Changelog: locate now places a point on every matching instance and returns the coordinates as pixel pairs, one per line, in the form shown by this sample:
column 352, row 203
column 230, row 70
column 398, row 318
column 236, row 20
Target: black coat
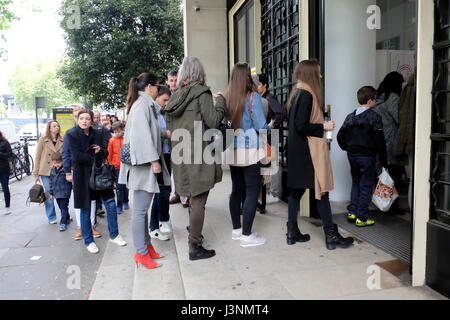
column 82, row 162
column 300, row 166
column 5, row 156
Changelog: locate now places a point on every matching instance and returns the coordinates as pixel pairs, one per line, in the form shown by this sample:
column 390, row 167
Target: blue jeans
column 63, row 205
column 121, row 192
column 49, row 203
column 363, row 179
column 160, row 207
column 4, row 180
column 111, row 214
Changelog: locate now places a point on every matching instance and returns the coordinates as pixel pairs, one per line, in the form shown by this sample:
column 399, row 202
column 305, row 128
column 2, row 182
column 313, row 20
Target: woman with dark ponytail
column 5, row 156
column 142, row 134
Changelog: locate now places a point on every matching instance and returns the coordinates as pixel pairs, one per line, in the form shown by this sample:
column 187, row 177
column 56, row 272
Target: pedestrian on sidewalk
column 147, row 163
column 67, row 164
column 362, row 137
column 159, row 217
column 60, row 189
column 308, row 159
column 114, row 146
column 48, row 145
column 85, row 146
column 5, row 157
column 247, row 115
column 193, row 103
column 172, row 79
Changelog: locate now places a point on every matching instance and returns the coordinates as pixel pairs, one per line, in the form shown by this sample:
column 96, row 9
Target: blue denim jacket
column 59, row 186
column 248, row 138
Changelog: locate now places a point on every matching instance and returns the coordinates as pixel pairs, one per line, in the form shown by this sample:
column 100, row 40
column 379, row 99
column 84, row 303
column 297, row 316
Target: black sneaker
column 197, row 252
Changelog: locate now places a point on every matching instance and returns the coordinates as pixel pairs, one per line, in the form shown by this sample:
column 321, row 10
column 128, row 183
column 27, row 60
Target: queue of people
column 154, row 112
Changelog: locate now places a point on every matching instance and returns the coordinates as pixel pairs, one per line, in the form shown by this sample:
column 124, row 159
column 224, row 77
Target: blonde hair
column 307, row 71
column 191, row 73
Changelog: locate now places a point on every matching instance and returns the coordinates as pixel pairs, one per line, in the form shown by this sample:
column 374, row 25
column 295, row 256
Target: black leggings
column 246, row 182
column 323, row 206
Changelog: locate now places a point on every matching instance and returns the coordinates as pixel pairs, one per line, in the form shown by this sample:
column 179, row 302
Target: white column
column 350, row 59
column 423, row 142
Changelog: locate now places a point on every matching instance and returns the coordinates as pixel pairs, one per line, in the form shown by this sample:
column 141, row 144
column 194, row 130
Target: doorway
column 363, row 44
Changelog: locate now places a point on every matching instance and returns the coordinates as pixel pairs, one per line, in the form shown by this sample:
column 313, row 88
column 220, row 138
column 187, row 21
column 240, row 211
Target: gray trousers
column 139, row 222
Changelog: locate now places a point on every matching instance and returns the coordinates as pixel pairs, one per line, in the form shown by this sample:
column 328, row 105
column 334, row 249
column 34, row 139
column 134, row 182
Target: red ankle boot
column 146, row 261
column 153, row 253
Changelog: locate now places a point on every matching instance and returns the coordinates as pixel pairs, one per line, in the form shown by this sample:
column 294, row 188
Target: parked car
column 8, row 129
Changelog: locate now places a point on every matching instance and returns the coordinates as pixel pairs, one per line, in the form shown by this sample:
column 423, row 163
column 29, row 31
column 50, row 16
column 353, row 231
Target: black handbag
column 103, row 177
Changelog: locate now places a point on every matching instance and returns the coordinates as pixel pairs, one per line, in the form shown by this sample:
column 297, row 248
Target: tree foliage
column 38, row 78
column 6, row 17
column 117, row 40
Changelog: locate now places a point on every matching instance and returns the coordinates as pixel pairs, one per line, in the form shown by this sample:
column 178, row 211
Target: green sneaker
column 351, row 217
column 368, row 223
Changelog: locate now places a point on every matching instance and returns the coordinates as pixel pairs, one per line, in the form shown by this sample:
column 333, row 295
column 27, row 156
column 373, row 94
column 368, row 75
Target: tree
column 39, row 78
column 6, row 17
column 117, row 40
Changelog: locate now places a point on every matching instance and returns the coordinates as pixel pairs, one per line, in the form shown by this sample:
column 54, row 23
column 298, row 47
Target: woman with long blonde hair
column 308, row 158
column 48, row 145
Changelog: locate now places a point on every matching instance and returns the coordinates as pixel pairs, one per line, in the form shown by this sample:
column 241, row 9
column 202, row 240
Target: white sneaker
column 236, row 234
column 53, row 222
column 164, row 227
column 157, row 234
column 92, row 248
column 271, row 199
column 252, row 240
column 119, row 241
column 7, row 211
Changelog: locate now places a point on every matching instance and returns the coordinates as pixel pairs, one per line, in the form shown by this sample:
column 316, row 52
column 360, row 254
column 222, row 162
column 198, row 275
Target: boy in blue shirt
column 362, row 137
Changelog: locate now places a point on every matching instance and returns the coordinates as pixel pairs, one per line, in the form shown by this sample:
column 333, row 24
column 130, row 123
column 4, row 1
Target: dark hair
column 117, row 126
column 162, row 90
column 392, row 83
column 241, row 83
column 88, row 112
column 57, row 156
column 172, row 73
column 264, row 80
column 365, row 94
column 2, row 137
column 138, row 84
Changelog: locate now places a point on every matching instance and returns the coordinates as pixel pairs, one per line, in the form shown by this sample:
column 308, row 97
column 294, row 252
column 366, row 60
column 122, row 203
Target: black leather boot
column 197, row 252
column 294, row 235
column 333, row 238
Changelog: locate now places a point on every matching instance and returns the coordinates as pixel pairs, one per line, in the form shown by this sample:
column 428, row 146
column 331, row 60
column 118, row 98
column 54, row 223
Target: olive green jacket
column 192, row 176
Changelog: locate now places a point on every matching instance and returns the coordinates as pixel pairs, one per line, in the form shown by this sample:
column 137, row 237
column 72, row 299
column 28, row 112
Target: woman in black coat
column 85, row 148
column 5, row 157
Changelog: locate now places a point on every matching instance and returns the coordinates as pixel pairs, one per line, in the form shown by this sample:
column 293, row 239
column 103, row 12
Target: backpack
column 36, row 194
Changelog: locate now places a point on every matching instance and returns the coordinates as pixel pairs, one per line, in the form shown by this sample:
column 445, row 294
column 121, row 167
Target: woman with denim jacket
column 244, row 155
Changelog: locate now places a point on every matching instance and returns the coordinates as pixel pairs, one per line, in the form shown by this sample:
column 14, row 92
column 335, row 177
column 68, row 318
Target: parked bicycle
column 21, row 161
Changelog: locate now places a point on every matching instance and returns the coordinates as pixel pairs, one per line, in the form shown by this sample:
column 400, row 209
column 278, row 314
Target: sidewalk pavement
column 272, row 271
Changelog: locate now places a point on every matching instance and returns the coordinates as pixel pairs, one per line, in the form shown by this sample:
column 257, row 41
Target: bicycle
column 24, row 157
column 16, row 167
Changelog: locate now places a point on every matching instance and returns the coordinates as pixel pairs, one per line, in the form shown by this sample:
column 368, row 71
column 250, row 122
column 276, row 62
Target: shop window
column 440, row 174
column 244, row 34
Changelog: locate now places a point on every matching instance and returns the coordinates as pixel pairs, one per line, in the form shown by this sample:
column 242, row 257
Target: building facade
column 357, row 43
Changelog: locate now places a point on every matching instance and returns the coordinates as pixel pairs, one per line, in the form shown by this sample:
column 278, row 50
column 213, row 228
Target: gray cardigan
column 142, row 132
column 388, row 110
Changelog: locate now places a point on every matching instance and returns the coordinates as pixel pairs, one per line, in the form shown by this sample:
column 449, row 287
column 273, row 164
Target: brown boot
column 96, row 233
column 79, row 235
